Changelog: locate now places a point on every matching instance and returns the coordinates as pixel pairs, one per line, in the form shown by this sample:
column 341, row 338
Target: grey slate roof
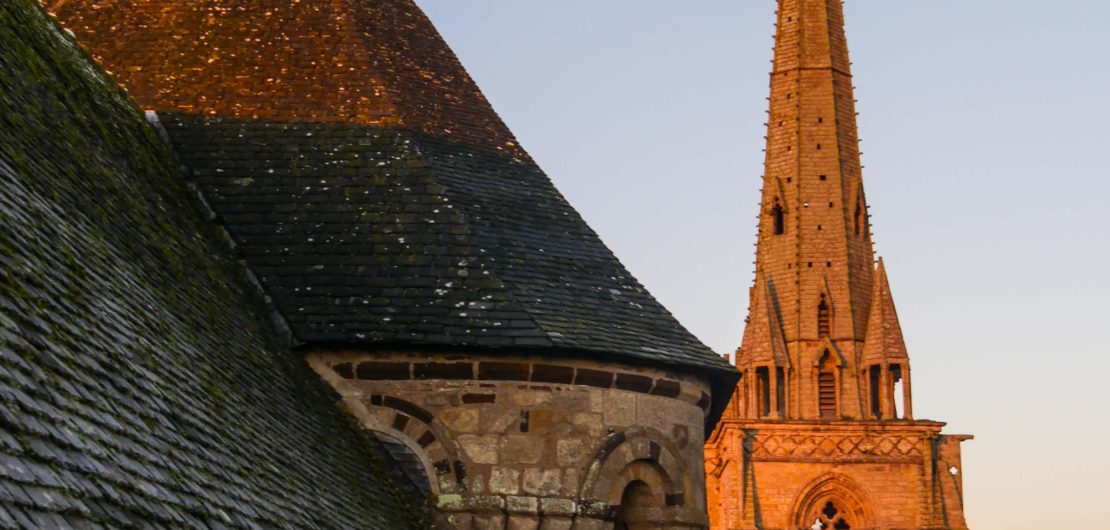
column 365, row 234
column 141, row 385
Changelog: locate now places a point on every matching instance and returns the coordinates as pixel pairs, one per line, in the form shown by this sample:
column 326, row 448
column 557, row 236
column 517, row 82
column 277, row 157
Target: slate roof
column 372, row 188
column 368, row 234
column 141, row 383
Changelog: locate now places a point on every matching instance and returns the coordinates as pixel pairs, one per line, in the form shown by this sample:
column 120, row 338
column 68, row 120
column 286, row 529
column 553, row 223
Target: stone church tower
column 423, row 264
column 820, row 432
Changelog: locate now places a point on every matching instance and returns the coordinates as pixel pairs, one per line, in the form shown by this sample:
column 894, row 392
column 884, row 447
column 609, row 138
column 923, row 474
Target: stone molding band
column 513, row 371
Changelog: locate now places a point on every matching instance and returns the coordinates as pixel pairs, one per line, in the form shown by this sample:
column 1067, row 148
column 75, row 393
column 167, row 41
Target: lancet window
column 778, row 218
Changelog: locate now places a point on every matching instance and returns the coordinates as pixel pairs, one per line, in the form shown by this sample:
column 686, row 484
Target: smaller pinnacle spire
column 884, row 334
column 763, row 340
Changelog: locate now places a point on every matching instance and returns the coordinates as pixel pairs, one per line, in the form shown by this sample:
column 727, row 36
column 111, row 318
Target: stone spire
column 814, row 257
column 884, row 334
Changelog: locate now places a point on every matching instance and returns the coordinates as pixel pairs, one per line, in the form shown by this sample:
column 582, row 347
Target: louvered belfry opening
column 875, row 373
column 826, row 388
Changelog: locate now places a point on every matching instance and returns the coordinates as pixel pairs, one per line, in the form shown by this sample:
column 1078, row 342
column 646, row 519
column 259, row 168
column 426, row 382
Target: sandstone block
column 489, row 522
column 522, row 449
column 549, row 506
column 523, row 522
column 556, row 523
column 480, row 449
column 504, row 481
column 522, row 505
column 460, row 420
column 570, row 451
column 542, row 482
column 620, row 409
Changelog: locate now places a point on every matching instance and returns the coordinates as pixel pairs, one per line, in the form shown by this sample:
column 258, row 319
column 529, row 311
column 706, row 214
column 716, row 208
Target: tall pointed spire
column 825, row 397
column 814, row 238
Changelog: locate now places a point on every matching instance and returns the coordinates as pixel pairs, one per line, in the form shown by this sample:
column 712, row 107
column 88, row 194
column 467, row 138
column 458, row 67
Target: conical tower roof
column 369, row 63
column 369, row 184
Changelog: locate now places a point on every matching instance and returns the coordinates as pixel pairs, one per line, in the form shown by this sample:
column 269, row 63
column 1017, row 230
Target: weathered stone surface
column 504, row 481
column 522, row 449
column 583, row 523
column 620, row 409
column 572, row 482
column 489, row 522
column 483, row 449
column 451, row 502
column 571, row 451
column 540, row 455
column 556, row 523
column 554, row 506
column 524, row 522
column 522, row 505
column 590, row 423
column 460, row 420
column 542, row 482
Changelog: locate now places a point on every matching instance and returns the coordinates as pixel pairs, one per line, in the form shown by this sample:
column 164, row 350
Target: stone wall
column 878, row 475
column 536, row 442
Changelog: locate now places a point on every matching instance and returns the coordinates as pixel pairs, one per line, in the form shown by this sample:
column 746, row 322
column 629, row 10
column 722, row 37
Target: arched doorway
column 636, row 495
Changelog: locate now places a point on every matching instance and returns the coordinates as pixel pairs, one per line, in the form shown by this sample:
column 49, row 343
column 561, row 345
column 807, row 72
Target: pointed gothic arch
column 824, row 317
column 778, row 218
column 833, row 499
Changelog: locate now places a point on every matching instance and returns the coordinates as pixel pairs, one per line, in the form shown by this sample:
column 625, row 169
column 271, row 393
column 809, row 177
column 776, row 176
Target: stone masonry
column 426, row 268
column 536, row 442
column 820, row 431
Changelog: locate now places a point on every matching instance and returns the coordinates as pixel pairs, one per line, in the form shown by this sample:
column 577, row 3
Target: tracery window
column 830, row 518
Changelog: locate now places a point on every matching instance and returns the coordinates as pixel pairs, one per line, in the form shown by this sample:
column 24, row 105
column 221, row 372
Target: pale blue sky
column 986, row 140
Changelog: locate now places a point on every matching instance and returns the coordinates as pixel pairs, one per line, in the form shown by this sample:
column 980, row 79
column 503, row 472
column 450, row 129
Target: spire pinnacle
column 884, row 334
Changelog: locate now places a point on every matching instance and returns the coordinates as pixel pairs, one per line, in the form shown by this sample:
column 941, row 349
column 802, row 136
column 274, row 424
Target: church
column 820, row 432
column 280, row 264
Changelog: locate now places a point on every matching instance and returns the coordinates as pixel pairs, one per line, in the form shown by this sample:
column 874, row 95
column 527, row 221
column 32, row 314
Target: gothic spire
column 813, row 227
column 815, row 264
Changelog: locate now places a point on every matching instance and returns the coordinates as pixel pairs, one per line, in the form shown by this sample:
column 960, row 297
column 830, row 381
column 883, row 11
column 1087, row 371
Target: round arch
column 635, row 455
column 421, row 434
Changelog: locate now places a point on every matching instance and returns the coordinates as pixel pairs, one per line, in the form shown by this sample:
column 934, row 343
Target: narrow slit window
column 875, row 374
column 763, row 387
column 780, row 389
column 779, row 219
column 896, row 388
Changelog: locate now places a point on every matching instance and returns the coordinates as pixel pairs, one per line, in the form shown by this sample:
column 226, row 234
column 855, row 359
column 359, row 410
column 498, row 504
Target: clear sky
column 986, row 145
